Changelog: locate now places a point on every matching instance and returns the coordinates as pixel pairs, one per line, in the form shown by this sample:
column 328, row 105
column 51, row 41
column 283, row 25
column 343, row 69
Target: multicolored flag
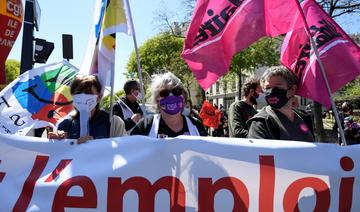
column 11, row 17
column 338, row 53
column 221, row 28
column 110, row 17
column 39, row 97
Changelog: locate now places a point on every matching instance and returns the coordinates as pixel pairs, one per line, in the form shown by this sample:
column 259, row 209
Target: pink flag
column 339, row 54
column 221, row 28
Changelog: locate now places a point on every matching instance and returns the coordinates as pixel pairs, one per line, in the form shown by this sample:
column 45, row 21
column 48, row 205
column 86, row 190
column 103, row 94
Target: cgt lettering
column 207, row 189
column 14, row 8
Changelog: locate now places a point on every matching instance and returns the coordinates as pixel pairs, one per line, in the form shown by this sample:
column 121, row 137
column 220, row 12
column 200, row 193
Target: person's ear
column 292, row 90
column 251, row 92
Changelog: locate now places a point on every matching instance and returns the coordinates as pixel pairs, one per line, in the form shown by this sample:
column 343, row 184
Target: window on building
column 217, row 88
column 228, row 101
column 233, row 85
column 225, row 87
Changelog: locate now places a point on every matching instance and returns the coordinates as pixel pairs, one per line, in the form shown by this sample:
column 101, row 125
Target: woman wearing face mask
column 168, row 97
column 279, row 120
column 88, row 122
column 190, row 111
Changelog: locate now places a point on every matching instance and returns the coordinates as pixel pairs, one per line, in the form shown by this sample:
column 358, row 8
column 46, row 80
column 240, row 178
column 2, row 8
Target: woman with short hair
column 168, row 100
column 279, row 120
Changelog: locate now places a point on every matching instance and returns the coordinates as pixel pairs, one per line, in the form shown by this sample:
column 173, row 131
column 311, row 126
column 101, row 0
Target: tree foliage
column 105, row 103
column 352, row 89
column 159, row 54
column 265, row 52
column 12, row 68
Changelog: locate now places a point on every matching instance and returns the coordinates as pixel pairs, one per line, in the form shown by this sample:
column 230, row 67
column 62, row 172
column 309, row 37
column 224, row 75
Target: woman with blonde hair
column 168, row 98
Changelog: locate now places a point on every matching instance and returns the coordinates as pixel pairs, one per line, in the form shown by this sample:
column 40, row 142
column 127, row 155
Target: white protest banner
column 138, row 173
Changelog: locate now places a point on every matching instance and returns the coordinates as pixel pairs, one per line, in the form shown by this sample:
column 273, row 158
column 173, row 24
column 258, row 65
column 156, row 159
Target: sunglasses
column 174, row 91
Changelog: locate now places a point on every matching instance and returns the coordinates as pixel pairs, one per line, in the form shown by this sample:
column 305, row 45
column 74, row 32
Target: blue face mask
column 172, row 104
column 186, row 111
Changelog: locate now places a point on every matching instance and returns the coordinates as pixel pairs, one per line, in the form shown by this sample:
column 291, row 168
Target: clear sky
column 76, row 16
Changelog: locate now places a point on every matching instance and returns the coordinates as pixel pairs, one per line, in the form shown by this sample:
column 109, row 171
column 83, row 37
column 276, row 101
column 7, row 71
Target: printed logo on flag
column 324, row 32
column 11, row 15
column 38, row 98
column 216, row 22
column 14, row 7
column 47, row 96
column 333, row 46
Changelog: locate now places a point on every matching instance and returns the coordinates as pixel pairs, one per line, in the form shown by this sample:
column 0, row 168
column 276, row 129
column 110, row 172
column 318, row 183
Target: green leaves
column 160, row 54
column 265, row 52
column 12, row 68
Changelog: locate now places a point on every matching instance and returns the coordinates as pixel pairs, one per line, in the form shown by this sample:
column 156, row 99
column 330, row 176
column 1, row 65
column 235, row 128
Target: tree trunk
column 188, row 90
column 203, row 95
column 239, row 84
column 319, row 127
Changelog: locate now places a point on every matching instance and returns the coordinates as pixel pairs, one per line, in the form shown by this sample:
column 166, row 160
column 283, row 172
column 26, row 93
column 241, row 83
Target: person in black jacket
column 279, row 120
column 127, row 107
column 243, row 110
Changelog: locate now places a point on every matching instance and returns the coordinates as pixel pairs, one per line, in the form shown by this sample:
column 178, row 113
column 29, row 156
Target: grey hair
column 166, row 81
column 281, row 71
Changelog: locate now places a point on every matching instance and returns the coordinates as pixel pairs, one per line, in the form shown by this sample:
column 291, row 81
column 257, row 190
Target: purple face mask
column 172, row 104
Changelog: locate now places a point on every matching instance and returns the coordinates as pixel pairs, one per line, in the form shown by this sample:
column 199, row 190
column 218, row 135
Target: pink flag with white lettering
column 339, row 54
column 221, row 28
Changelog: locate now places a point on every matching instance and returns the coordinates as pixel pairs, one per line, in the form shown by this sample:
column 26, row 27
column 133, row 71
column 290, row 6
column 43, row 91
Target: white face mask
column 84, row 103
column 139, row 97
column 261, row 96
column 186, row 111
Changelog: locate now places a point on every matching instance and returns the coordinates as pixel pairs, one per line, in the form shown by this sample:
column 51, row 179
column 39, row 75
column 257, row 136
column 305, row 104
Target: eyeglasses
column 175, row 91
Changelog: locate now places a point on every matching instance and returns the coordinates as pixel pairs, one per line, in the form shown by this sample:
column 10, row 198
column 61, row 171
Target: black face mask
column 276, row 97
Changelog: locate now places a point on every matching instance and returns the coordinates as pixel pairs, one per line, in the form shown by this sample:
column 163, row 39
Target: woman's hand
column 84, row 139
column 57, row 135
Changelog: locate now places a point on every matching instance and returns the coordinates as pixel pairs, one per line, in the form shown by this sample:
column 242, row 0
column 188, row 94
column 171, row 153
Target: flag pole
column 322, row 68
column 137, row 58
column 112, row 82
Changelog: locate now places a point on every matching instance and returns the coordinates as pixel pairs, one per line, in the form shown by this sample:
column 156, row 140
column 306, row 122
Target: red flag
column 209, row 115
column 339, row 54
column 11, row 17
column 220, row 28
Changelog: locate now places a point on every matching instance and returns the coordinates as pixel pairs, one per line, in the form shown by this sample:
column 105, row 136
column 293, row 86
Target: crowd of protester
column 175, row 115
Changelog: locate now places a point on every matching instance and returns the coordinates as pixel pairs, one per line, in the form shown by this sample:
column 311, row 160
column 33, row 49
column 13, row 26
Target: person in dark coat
column 243, row 110
column 279, row 120
column 127, row 107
